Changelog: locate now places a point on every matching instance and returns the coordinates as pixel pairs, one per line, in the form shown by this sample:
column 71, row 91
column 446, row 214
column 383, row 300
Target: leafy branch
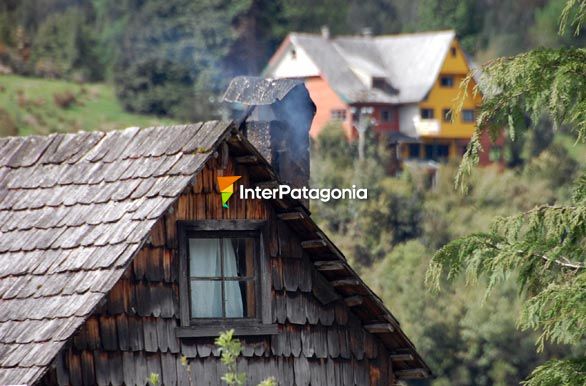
column 231, row 349
column 529, row 85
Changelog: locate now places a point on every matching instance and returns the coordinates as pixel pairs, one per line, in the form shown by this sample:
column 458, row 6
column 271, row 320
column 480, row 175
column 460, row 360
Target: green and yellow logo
column 226, row 185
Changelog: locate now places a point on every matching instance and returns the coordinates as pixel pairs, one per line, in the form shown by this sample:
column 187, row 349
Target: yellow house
column 437, row 124
column 407, row 83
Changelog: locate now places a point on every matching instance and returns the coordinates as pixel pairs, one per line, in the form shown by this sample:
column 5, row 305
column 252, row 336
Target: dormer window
column 447, row 81
column 382, row 84
column 224, row 282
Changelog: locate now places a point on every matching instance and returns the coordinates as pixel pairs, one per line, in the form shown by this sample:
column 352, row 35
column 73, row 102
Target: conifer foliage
column 543, row 249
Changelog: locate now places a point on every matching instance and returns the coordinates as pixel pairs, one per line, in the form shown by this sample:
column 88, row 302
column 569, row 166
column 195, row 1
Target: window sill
column 214, row 331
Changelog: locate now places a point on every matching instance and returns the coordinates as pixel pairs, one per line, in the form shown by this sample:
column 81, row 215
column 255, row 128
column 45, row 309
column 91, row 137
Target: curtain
column 206, row 295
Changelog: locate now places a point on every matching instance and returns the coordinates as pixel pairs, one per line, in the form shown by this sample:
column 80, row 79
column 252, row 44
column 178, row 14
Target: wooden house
column 117, row 260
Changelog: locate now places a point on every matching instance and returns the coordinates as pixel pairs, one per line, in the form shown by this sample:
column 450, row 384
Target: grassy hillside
column 41, row 106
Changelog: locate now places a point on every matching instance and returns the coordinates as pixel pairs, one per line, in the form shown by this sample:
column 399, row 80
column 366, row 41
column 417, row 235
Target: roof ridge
column 373, row 37
column 80, row 132
column 418, row 33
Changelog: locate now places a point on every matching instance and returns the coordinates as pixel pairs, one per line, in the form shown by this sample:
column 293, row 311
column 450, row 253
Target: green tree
column 176, row 49
column 543, row 249
column 64, row 45
column 463, row 16
column 365, row 229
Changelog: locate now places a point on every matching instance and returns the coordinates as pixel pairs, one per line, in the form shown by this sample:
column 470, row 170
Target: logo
column 226, row 185
column 324, row 195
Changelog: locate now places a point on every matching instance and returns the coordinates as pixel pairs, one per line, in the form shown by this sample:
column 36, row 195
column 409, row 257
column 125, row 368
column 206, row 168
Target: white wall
column 407, row 115
column 299, row 65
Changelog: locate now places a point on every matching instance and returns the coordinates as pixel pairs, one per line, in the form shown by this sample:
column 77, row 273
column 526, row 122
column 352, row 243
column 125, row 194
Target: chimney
column 325, row 32
column 277, row 123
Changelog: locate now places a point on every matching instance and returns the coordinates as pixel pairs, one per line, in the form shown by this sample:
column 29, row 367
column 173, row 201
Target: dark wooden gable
column 133, row 333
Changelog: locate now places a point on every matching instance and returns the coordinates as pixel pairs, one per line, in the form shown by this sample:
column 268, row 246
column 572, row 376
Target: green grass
column 27, row 106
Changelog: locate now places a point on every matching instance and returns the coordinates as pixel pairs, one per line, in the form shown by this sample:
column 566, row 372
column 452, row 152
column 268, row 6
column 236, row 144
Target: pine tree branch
column 564, row 262
column 561, row 261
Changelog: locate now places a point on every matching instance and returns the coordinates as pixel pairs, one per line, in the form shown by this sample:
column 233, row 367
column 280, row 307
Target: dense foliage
column 543, row 249
column 174, row 57
column 467, row 337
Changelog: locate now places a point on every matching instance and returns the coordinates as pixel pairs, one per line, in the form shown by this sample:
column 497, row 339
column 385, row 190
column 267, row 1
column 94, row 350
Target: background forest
column 174, row 58
column 171, row 60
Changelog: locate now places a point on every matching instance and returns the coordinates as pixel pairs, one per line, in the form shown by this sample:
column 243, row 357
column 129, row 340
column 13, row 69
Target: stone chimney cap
column 254, row 91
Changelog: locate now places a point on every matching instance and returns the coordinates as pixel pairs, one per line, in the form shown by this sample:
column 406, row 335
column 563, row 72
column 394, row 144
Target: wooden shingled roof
column 76, row 208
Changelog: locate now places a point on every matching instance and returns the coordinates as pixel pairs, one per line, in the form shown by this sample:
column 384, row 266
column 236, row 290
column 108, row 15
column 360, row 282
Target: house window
column 414, row 150
column 436, row 152
column 427, row 113
column 386, row 115
column 447, row 115
column 453, row 51
column 224, row 281
column 468, row 115
column 447, row 81
column 338, row 115
column 222, row 275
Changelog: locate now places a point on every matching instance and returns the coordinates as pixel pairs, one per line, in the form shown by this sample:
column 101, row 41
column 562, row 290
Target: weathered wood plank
column 331, row 265
column 401, row 357
column 108, row 333
column 87, row 368
column 246, row 159
column 311, row 244
column 379, row 328
column 291, row 216
column 345, row 283
column 353, row 301
column 322, row 290
column 418, row 373
column 213, row 331
column 150, row 334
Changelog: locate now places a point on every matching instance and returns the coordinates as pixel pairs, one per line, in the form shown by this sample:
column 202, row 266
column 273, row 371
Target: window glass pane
column 240, row 298
column 204, row 258
column 222, row 277
column 206, row 299
column 468, row 115
column 447, row 113
column 447, row 81
column 239, row 257
column 338, row 115
column 414, row 150
column 386, row 115
column 427, row 113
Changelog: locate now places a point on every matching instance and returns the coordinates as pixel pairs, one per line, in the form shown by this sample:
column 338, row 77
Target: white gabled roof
column 410, row 63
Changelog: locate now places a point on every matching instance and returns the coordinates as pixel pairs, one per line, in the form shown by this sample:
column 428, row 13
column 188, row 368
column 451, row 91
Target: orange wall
column 325, row 100
column 440, row 98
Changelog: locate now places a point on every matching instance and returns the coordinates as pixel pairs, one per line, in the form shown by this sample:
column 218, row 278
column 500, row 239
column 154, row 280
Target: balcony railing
column 426, row 126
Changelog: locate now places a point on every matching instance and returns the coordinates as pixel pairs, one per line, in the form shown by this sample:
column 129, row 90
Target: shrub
column 7, row 125
column 64, row 99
